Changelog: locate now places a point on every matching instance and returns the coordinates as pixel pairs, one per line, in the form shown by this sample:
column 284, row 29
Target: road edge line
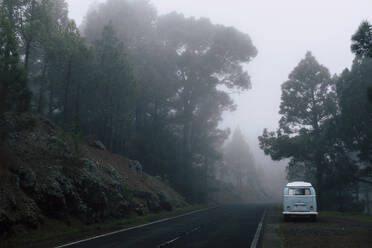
column 258, row 231
column 135, row 227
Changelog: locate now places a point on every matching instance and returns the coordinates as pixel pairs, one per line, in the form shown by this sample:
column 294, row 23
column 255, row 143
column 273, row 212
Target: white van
column 299, row 200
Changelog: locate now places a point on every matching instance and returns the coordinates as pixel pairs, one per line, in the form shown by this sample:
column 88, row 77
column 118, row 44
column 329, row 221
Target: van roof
column 299, row 184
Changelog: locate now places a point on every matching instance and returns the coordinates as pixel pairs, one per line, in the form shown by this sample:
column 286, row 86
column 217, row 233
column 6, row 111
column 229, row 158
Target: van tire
column 286, row 218
column 313, row 218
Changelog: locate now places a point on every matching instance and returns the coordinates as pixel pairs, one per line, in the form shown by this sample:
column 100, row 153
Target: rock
column 26, row 122
column 112, row 172
column 12, row 201
column 153, row 202
column 90, row 166
column 42, row 182
column 54, row 140
column 141, row 194
column 5, row 224
column 34, row 137
column 136, row 167
column 59, row 146
column 92, row 141
column 122, row 209
column 14, row 180
column 30, row 214
column 27, row 177
column 165, row 202
column 28, row 181
column 49, row 124
column 98, row 144
column 53, row 199
column 13, row 136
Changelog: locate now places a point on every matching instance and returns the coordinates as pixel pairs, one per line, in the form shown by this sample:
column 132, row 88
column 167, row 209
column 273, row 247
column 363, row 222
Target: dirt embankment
column 331, row 230
column 45, row 174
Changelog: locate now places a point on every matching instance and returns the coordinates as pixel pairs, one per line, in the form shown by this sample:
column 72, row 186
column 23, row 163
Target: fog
column 126, row 111
column 282, row 31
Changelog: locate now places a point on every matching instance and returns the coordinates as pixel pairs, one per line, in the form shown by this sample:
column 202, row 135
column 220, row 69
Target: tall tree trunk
column 51, row 97
column 29, row 39
column 42, row 90
column 77, row 108
column 368, row 203
column 185, row 171
column 156, row 114
column 104, row 131
column 27, row 54
column 67, row 91
column 106, row 115
column 4, row 86
column 111, row 135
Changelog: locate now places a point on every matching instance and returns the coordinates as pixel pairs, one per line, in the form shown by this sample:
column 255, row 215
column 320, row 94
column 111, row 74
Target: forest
column 149, row 87
column 154, row 88
column 325, row 127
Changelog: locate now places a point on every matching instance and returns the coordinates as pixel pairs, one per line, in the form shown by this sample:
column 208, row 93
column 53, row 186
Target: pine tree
column 14, row 94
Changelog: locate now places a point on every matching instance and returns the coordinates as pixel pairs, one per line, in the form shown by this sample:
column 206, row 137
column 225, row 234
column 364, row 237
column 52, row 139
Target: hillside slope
column 45, row 174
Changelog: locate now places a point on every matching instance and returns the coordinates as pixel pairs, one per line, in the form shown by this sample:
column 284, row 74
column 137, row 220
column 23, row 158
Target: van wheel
column 313, row 218
column 286, row 218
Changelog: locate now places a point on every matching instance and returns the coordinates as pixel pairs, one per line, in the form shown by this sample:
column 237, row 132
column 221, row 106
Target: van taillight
column 288, row 208
column 311, row 208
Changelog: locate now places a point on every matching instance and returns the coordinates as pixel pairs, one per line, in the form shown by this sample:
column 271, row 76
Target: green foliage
column 361, row 40
column 326, row 130
column 308, row 107
column 308, row 97
column 308, row 101
column 77, row 151
column 14, row 94
column 180, row 66
column 239, row 166
column 356, row 111
column 147, row 86
column 362, row 45
column 59, row 141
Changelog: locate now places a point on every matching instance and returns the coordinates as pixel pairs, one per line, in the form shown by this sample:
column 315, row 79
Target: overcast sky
column 282, row 30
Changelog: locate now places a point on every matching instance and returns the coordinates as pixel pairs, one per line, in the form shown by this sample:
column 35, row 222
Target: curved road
column 227, row 226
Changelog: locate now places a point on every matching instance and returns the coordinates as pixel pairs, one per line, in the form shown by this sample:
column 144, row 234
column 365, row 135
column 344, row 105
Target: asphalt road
column 227, row 226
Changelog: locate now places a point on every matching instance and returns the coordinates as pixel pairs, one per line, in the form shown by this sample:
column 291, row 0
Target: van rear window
column 299, row 191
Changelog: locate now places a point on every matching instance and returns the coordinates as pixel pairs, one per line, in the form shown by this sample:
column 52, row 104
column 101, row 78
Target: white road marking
column 136, row 227
column 169, row 242
column 177, row 238
column 258, row 232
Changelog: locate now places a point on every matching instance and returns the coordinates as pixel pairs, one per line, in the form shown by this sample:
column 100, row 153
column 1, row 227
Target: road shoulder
column 271, row 237
column 333, row 229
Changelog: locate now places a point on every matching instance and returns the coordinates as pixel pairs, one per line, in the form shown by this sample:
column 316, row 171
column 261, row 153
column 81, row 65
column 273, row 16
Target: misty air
column 185, row 124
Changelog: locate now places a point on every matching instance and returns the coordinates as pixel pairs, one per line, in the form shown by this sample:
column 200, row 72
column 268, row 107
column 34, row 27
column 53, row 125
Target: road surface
column 227, row 226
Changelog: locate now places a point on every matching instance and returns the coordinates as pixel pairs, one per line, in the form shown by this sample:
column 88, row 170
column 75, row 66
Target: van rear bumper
column 300, row 213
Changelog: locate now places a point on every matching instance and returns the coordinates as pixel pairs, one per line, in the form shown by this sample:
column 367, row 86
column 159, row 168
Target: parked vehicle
column 299, row 200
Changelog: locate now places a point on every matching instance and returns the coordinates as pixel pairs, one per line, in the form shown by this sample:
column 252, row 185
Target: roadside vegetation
column 333, row 229
column 325, row 129
column 350, row 215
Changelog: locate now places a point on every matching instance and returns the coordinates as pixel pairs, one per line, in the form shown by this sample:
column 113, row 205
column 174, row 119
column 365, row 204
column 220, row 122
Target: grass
column 355, row 216
column 54, row 233
column 333, row 229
